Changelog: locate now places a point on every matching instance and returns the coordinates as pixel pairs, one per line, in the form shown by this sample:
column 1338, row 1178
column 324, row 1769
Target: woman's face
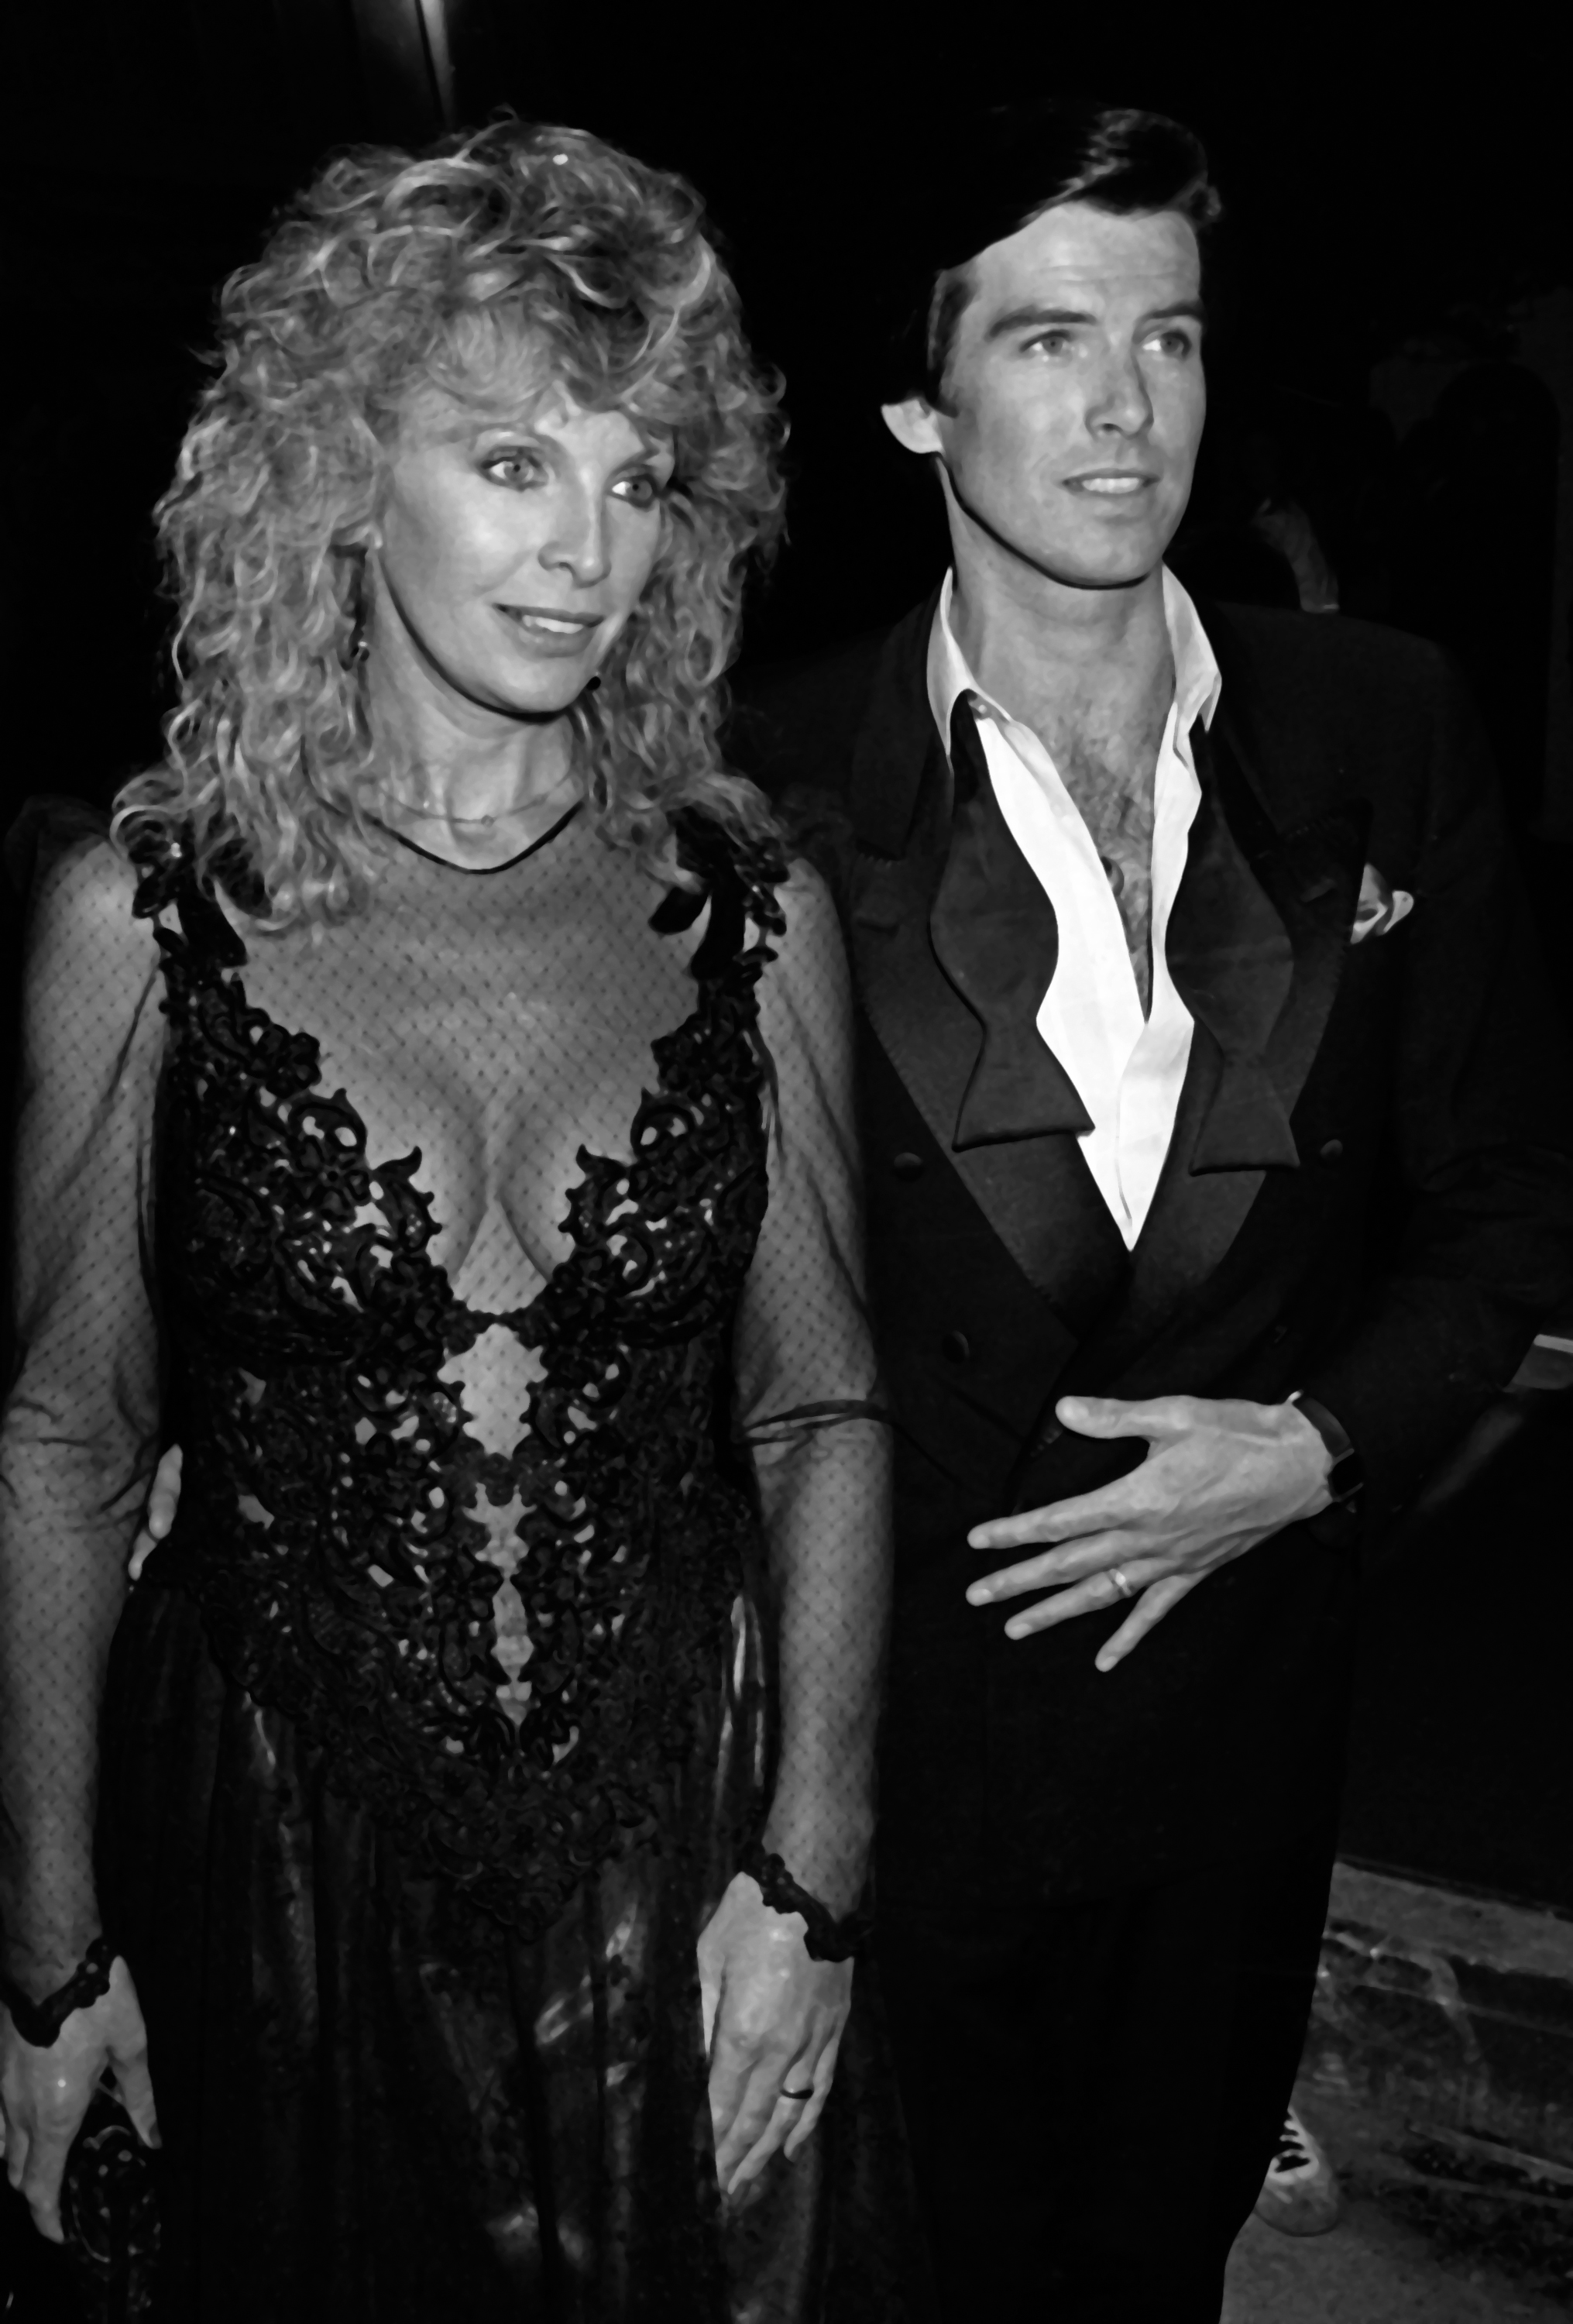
column 512, row 550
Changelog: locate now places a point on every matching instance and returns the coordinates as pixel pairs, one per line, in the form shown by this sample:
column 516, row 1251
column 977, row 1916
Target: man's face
column 1076, row 395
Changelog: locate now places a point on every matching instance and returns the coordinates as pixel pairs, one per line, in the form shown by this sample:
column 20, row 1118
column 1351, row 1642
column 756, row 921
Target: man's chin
column 1127, row 571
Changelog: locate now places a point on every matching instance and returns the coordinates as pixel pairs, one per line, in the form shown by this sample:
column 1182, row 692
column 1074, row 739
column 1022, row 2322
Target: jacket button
column 908, row 1166
column 955, row 1347
column 1333, row 1152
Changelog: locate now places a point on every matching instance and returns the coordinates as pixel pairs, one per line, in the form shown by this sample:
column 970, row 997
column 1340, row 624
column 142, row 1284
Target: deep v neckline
column 275, row 1039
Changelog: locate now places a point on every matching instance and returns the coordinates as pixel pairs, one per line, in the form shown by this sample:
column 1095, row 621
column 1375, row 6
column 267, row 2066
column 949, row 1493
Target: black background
column 1385, row 188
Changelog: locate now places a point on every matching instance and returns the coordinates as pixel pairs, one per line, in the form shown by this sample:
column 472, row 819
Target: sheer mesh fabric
column 476, row 1244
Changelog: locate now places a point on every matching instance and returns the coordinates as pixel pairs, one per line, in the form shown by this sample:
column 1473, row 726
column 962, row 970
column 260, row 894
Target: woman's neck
column 469, row 784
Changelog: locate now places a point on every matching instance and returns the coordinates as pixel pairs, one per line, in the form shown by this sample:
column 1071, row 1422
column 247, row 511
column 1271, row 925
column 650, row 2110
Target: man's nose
column 1120, row 402
column 578, row 541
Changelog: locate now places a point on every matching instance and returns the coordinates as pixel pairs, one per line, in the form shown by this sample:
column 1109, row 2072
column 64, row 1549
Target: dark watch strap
column 826, row 1939
column 39, row 2021
column 1345, row 1476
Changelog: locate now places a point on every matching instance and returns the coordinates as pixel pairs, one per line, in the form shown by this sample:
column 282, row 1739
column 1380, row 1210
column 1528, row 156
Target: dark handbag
column 110, row 2212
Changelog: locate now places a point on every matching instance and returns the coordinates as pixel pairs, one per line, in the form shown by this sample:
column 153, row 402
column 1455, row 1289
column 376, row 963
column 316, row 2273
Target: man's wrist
column 1345, row 1474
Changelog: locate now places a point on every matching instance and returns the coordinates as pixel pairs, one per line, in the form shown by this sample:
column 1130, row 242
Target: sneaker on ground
column 1299, row 2194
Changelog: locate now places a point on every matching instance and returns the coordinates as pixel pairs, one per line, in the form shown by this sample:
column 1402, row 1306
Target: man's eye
column 1052, row 343
column 1176, row 343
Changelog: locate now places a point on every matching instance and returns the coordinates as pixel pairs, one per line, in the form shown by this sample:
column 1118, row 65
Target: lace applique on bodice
column 500, row 1650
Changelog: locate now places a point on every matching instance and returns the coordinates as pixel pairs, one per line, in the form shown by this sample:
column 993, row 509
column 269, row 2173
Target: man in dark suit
column 1217, row 1153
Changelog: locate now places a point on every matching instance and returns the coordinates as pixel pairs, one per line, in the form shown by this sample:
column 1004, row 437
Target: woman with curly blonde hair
column 437, row 1119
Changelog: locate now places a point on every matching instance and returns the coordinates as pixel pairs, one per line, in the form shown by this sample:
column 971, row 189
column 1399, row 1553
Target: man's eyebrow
column 1023, row 318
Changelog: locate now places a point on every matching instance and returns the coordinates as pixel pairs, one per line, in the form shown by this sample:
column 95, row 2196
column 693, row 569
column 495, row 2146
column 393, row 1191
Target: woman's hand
column 45, row 2093
column 773, row 2020
column 159, row 1516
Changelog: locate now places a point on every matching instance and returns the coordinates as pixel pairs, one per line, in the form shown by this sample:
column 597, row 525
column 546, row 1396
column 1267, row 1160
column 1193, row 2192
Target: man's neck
column 1056, row 656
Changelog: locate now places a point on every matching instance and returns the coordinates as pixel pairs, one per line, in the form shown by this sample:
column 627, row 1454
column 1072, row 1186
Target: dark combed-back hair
column 394, row 272
column 1002, row 168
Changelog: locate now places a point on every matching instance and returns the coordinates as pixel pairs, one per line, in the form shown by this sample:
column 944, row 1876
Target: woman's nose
column 578, row 541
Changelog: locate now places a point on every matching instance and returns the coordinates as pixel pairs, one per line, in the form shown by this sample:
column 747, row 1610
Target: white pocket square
column 1380, row 907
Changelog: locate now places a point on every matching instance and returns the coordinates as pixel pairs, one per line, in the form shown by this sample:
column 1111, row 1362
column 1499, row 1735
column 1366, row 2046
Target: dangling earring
column 591, row 684
column 355, row 646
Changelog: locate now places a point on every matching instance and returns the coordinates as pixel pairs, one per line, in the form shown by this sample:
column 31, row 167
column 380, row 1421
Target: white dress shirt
column 1127, row 1069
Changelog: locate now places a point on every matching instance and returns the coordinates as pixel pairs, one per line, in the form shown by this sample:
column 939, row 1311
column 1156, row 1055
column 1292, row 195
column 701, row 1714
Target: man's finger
column 1160, row 1417
column 1054, row 1570
column 1093, row 1595
column 1059, row 1521
column 1145, row 1615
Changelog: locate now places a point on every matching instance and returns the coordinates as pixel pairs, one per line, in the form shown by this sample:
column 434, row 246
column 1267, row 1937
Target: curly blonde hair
column 390, row 273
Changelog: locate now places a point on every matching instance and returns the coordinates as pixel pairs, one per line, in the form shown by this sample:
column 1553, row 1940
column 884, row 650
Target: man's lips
column 1116, row 483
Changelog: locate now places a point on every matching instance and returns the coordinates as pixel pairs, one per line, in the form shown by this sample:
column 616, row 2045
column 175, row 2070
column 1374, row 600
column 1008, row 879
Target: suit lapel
column 1256, row 944
column 1035, row 1191
column 1260, row 944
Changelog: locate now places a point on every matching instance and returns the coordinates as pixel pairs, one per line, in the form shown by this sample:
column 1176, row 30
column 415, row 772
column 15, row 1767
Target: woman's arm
column 78, row 1436
column 808, row 1403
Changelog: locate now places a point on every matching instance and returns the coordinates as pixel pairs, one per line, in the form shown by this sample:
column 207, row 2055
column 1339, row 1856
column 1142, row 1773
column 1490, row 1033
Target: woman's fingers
column 159, row 1516
column 807, row 2115
column 39, row 2178
column 749, row 2119
column 135, row 2085
column 774, row 2117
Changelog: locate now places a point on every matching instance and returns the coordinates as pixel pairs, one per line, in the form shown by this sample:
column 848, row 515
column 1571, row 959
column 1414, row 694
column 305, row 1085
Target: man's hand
column 1218, row 1478
column 160, row 1513
column 773, row 2020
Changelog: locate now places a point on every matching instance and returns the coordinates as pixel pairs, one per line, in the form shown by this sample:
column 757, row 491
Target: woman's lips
column 554, row 633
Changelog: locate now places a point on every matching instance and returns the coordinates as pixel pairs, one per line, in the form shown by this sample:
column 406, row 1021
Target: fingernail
column 979, row 1594
column 1107, row 1662
column 1016, row 1630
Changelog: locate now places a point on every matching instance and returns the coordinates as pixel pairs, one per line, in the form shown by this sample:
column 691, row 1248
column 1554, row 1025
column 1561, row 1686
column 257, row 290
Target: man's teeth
column 1111, row 484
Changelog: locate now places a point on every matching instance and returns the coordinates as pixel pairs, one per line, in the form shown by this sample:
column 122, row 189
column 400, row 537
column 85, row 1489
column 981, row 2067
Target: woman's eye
column 642, row 491
column 511, row 467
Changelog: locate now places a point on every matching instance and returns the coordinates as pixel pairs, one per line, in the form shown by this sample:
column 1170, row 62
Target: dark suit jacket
column 1366, row 1196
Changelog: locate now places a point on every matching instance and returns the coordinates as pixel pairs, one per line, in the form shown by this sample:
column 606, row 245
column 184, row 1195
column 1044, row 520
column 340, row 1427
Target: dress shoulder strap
column 165, row 859
column 738, row 877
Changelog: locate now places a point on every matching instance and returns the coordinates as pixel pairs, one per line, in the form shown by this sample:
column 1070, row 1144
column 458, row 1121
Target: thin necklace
column 424, row 807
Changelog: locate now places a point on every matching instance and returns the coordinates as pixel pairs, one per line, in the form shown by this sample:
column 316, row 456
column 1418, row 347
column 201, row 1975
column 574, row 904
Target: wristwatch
column 1345, row 1476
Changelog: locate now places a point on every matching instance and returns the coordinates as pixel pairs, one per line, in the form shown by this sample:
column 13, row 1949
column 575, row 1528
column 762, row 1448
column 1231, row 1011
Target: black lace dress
column 493, row 1255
